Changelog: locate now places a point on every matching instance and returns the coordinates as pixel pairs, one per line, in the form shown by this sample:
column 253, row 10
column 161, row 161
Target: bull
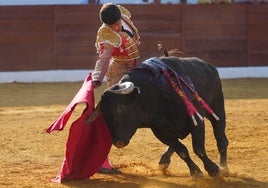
column 144, row 98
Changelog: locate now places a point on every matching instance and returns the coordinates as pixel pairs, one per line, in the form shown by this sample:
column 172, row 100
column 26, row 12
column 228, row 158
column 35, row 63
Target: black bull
column 154, row 104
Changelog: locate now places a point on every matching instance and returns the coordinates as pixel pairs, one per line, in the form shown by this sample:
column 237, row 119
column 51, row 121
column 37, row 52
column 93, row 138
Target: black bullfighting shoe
column 103, row 170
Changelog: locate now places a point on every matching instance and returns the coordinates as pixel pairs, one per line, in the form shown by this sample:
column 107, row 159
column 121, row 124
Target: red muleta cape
column 87, row 145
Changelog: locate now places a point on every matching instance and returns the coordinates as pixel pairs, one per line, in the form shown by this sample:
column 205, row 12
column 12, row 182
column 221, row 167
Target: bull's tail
column 164, row 49
column 173, row 52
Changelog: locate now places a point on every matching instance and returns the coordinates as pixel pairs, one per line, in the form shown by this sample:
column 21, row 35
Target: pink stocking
column 106, row 164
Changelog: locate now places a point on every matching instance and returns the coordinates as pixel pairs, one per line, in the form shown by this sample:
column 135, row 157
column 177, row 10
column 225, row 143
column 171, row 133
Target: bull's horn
column 124, row 88
column 94, row 114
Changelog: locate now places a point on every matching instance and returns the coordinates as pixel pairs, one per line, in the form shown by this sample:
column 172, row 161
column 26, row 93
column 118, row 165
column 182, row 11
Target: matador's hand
column 96, row 84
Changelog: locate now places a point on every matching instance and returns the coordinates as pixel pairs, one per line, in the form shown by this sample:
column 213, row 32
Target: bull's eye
column 120, row 109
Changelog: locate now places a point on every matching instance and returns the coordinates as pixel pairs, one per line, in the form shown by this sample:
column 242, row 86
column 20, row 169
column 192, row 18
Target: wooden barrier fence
column 63, row 36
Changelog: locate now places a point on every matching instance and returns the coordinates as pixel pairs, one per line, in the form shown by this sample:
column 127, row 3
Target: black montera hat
column 110, row 13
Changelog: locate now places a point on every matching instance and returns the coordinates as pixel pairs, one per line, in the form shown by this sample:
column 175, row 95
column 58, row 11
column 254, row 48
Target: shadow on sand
column 135, row 181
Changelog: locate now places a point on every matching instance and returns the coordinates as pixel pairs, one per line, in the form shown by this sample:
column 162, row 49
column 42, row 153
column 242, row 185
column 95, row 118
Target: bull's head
column 120, row 111
column 124, row 88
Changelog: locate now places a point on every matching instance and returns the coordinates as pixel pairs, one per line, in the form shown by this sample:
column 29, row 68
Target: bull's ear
column 137, row 89
column 135, row 95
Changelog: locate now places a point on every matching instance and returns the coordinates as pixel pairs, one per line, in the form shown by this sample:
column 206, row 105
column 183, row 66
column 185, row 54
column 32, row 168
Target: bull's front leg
column 181, row 150
column 198, row 141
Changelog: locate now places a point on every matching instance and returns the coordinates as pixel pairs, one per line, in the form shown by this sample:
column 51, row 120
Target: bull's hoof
column 164, row 162
column 163, row 167
column 224, row 170
column 195, row 171
column 165, row 172
column 197, row 175
column 219, row 176
column 214, row 171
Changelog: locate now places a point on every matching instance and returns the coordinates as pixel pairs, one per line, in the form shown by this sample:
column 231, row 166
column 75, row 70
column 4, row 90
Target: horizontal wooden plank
column 26, row 25
column 159, row 26
column 25, row 38
column 155, row 12
column 75, row 62
column 221, row 13
column 74, row 50
column 255, row 46
column 76, row 29
column 258, row 59
column 221, row 58
column 258, row 33
column 257, row 10
column 218, row 44
column 26, row 12
column 76, row 18
column 72, row 9
column 74, row 39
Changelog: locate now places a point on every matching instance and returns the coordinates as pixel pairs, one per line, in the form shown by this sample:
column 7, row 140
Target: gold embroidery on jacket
column 107, row 35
